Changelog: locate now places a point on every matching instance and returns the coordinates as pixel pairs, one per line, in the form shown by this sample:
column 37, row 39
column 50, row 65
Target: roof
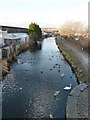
column 12, row 38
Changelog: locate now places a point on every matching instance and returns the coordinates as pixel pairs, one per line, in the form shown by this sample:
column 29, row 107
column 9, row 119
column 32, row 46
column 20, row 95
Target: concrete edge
column 71, row 109
column 0, row 101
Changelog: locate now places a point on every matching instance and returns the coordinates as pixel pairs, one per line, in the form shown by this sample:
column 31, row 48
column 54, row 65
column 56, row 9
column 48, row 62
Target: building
column 12, row 40
column 3, row 34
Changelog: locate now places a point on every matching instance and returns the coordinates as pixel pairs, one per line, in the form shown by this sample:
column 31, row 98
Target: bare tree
column 72, row 29
column 77, row 31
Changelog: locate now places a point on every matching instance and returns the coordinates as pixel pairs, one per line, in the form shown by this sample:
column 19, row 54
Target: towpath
column 80, row 53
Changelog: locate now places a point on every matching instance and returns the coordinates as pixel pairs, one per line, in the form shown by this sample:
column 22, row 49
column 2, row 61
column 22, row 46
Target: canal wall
column 12, row 53
column 77, row 102
column 0, row 100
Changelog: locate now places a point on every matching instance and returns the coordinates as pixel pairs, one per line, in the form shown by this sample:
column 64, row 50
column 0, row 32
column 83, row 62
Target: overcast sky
column 46, row 13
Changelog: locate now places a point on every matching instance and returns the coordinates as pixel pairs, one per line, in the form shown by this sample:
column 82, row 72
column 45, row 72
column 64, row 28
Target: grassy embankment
column 74, row 61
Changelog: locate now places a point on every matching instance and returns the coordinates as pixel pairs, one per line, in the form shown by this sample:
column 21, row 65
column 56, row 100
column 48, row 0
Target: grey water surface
column 28, row 90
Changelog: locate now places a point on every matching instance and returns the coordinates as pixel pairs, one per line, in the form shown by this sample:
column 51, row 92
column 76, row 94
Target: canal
column 35, row 75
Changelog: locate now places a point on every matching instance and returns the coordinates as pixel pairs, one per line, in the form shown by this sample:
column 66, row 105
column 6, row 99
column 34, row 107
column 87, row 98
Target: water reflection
column 35, row 47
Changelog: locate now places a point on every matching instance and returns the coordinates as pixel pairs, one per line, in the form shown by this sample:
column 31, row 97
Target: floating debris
column 62, row 75
column 56, row 93
column 53, row 66
column 10, row 87
column 41, row 71
column 21, row 62
column 20, row 88
column 50, row 115
column 4, row 87
column 26, row 110
column 17, row 83
column 15, row 88
column 29, row 105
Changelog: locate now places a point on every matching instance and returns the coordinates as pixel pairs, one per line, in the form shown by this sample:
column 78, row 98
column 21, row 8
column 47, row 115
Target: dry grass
column 75, row 62
column 6, row 62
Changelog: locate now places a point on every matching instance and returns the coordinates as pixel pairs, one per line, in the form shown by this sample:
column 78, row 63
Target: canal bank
column 77, row 102
column 73, row 60
column 7, row 61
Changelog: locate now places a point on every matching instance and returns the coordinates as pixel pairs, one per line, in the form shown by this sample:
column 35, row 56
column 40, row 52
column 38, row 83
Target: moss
column 75, row 62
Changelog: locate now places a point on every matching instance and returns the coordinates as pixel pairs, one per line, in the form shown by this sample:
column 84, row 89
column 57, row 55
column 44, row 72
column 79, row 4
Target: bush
column 35, row 32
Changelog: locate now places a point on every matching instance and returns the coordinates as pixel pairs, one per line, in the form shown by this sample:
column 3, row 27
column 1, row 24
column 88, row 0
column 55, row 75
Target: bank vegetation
column 73, row 60
column 75, row 33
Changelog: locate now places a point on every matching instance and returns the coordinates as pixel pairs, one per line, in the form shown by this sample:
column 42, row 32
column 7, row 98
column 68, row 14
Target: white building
column 2, row 35
column 10, row 42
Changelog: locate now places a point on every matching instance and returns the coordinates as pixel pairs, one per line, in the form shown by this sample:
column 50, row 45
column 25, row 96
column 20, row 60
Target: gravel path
column 82, row 55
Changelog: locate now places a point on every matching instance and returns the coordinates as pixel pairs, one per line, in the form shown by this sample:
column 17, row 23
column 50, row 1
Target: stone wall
column 77, row 103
